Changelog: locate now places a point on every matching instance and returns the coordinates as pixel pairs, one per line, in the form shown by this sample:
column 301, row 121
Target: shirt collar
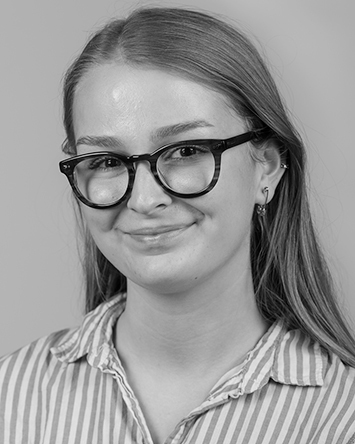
column 286, row 357
column 95, row 335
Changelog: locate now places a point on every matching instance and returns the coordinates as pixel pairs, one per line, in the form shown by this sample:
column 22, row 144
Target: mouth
column 157, row 235
column 155, row 231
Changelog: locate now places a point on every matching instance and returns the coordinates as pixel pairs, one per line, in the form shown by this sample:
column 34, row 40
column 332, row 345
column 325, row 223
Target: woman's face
column 158, row 241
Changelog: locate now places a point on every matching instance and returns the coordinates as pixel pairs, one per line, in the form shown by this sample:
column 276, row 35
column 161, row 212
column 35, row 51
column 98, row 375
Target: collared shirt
column 70, row 388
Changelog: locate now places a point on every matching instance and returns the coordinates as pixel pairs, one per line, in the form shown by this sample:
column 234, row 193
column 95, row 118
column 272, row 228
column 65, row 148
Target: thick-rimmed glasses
column 184, row 169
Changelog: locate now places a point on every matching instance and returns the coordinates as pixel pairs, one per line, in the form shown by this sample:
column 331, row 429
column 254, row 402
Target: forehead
column 118, row 98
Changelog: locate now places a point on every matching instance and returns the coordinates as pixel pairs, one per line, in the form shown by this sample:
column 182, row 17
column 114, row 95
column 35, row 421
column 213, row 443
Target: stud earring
column 261, row 209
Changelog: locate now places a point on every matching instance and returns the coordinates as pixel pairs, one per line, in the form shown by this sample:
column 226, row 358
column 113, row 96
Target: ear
column 271, row 171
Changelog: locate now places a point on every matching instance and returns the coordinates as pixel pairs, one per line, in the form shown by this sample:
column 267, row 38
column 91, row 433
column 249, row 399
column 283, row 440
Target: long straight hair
column 291, row 278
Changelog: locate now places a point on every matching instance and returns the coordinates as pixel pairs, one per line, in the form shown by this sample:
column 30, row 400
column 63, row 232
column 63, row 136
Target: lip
column 157, row 235
column 156, row 231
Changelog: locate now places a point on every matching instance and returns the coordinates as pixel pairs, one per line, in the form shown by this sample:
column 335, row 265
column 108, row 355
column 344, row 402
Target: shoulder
column 29, row 363
column 302, row 361
column 333, row 403
column 310, row 388
column 320, row 382
column 37, row 348
column 339, row 378
column 37, row 367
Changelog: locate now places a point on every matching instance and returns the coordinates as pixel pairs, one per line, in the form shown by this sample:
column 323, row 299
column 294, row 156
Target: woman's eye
column 105, row 163
column 188, row 151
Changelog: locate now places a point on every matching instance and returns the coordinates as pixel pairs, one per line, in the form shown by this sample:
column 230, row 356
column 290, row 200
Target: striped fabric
column 70, row 387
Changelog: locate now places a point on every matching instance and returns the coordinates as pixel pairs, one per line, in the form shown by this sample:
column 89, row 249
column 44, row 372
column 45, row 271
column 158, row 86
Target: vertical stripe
column 118, row 413
column 55, row 404
column 302, row 420
column 49, row 372
column 218, row 425
column 319, row 416
column 17, row 406
column 257, row 401
column 7, row 387
column 286, row 362
column 73, row 392
column 31, row 402
column 345, row 435
column 103, row 419
column 295, row 407
column 285, row 406
column 80, row 423
column 209, row 424
column 87, row 406
column 243, row 410
column 75, row 413
column 301, row 347
column 234, row 415
column 269, row 415
column 93, row 422
column 341, row 396
column 195, row 430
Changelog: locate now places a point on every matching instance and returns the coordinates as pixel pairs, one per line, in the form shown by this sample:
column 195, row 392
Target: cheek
column 98, row 221
column 100, row 224
column 100, row 193
column 238, row 182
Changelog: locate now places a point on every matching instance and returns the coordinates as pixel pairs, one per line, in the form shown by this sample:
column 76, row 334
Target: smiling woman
column 154, row 237
column 211, row 315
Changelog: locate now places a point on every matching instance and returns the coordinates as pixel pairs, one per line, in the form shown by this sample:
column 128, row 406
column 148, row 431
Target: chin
column 165, row 273
column 163, row 281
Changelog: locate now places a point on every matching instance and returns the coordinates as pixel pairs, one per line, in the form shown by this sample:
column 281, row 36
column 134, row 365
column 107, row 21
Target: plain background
column 309, row 44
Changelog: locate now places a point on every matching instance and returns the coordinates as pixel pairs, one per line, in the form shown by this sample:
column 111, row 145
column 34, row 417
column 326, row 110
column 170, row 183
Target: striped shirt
column 70, row 387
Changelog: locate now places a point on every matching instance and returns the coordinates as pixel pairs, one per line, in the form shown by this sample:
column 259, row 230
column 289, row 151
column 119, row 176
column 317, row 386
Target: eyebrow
column 175, row 130
column 160, row 133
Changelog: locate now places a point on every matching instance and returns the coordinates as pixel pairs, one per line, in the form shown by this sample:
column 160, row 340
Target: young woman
column 211, row 315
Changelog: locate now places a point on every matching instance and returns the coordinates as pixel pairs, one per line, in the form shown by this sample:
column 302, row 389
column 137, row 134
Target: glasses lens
column 186, row 169
column 102, row 180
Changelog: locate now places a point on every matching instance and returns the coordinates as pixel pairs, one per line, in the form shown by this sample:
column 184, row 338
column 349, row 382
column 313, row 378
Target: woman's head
column 290, row 278
column 158, row 240
column 223, row 60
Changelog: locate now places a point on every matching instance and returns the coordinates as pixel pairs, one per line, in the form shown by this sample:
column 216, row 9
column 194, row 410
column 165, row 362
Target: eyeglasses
column 184, row 169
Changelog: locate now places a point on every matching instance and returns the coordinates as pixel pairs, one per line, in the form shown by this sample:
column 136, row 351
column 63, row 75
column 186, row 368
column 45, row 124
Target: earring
column 261, row 209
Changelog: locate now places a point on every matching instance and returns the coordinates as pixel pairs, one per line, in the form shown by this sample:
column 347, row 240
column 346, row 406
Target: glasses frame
column 216, row 146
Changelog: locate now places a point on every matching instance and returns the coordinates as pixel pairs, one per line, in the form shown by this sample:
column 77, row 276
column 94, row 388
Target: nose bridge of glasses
column 144, row 180
column 139, row 157
column 146, row 158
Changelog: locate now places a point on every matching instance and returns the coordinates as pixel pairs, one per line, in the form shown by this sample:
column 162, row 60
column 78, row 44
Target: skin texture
column 190, row 300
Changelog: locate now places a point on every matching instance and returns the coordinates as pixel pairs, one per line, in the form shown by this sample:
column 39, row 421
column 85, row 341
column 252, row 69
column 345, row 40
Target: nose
column 147, row 195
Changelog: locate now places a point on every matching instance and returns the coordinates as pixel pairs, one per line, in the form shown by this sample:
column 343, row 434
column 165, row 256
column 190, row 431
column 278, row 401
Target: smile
column 158, row 235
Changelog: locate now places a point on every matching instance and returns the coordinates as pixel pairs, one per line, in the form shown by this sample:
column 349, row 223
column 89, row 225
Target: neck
column 190, row 330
